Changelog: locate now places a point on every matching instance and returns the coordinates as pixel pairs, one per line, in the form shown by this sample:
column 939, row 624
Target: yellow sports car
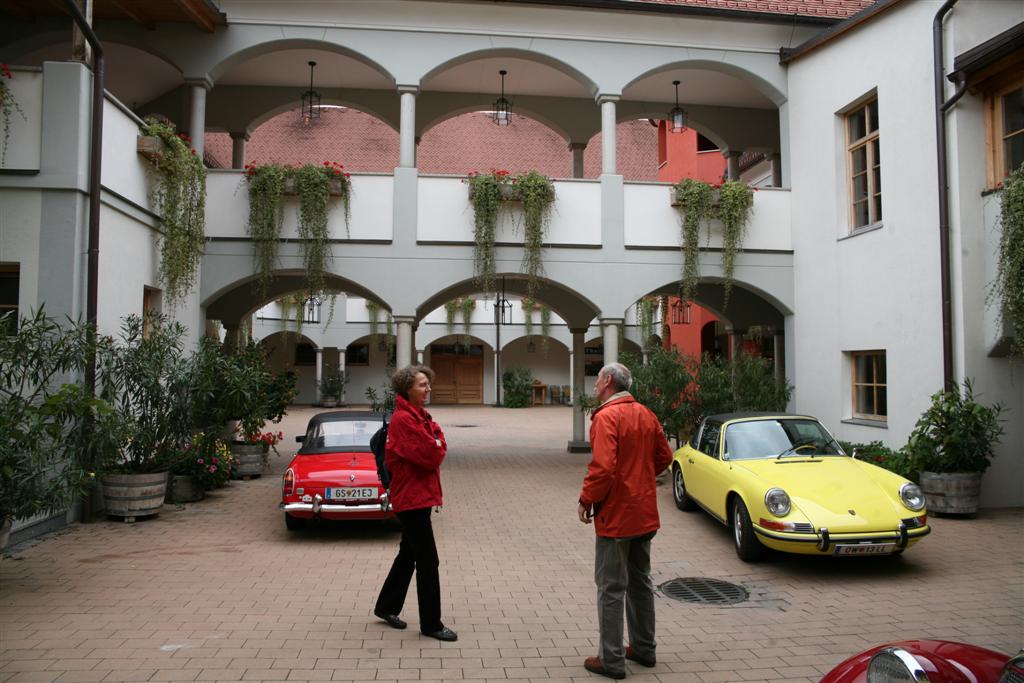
column 783, row 482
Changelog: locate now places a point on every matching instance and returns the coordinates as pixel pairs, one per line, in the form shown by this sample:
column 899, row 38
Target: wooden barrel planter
column 134, row 495
column 184, row 488
column 952, row 493
column 249, row 459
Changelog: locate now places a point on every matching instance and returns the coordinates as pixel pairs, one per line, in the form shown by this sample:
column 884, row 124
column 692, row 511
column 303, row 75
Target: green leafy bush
column 877, row 453
column 517, row 384
column 664, row 385
column 955, row 434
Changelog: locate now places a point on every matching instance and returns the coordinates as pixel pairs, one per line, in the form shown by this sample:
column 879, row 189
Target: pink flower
column 213, row 469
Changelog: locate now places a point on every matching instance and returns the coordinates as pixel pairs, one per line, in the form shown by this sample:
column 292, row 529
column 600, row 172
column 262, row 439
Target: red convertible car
column 334, row 474
column 929, row 661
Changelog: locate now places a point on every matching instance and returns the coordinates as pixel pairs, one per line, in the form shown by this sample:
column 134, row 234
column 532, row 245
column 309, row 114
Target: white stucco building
column 842, row 260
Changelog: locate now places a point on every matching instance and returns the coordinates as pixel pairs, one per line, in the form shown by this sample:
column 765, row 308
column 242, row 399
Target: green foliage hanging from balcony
column 537, row 193
column 266, row 185
column 179, row 198
column 467, row 305
column 487, row 190
column 314, row 186
column 528, row 305
column 545, row 328
column 645, row 319
column 698, row 203
column 1009, row 284
column 450, row 307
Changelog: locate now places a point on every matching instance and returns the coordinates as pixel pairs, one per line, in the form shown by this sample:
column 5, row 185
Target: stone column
column 776, row 161
column 608, row 122
column 407, row 126
column 735, row 343
column 404, row 348
column 319, row 373
column 578, row 444
column 778, row 350
column 81, row 51
column 232, row 337
column 611, row 327
column 577, row 149
column 197, row 112
column 238, row 140
column 732, row 158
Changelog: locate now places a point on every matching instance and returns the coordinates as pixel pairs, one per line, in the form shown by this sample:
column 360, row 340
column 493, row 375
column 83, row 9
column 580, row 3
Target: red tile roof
column 470, row 142
column 838, row 9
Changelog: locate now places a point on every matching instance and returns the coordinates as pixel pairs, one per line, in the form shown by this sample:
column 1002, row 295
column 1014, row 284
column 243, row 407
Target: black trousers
column 417, row 552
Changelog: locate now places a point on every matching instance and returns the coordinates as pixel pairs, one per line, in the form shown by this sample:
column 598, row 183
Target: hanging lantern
column 502, row 110
column 310, row 100
column 677, row 115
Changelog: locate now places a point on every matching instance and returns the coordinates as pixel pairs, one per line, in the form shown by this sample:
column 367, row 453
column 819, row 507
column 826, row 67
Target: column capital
column 239, row 135
column 578, row 330
column 732, row 153
column 319, row 350
column 399, row 319
column 601, row 98
column 577, row 146
column 204, row 82
column 408, row 89
column 612, row 321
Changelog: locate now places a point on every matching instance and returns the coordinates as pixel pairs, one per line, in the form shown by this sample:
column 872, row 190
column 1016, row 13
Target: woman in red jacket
column 414, row 452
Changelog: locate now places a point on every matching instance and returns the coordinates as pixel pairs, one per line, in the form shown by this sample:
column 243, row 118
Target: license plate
column 347, row 493
column 865, row 549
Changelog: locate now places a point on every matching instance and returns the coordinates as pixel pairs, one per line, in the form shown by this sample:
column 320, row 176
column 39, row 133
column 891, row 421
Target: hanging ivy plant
column 1009, row 284
column 645, row 320
column 266, row 184
column 467, row 305
column 373, row 309
column 485, row 195
column 537, row 193
column 449, row 315
column 528, row 305
column 735, row 204
column 545, row 328
column 179, row 198
column 314, row 189
column 8, row 105
column 694, row 200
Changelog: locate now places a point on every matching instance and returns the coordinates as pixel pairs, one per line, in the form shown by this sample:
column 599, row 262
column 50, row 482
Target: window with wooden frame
column 9, row 289
column 869, row 389
column 1004, row 109
column 864, row 166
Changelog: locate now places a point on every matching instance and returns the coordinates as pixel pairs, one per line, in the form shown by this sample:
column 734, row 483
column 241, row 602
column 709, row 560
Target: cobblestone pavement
column 219, row 591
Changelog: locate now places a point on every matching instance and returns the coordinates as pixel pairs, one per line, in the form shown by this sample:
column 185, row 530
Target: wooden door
column 457, row 379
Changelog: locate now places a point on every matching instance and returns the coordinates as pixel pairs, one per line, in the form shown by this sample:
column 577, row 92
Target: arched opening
column 636, row 151
column 294, row 352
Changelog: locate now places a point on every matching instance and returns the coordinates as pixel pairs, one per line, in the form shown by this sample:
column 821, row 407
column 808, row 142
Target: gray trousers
column 622, row 572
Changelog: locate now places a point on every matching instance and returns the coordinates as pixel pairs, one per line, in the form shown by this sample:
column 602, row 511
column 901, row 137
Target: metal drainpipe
column 95, row 166
column 941, row 107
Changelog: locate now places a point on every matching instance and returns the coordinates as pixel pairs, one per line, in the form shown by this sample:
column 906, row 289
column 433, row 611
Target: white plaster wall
column 652, row 221
column 26, row 129
column 122, row 280
column 125, row 171
column 227, row 208
column 880, row 289
column 20, row 213
column 445, row 213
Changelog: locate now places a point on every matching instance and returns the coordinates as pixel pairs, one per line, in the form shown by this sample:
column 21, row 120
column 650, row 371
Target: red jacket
column 629, row 450
column 413, row 454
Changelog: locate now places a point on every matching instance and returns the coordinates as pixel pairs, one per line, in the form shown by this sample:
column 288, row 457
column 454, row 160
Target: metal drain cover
column 463, row 426
column 704, row 591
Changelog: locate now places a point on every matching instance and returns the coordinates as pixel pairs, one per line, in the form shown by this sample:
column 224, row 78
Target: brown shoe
column 631, row 656
column 594, row 666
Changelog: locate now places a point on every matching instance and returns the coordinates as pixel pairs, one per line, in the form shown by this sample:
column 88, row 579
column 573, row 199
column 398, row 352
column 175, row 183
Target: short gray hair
column 403, row 379
column 622, row 379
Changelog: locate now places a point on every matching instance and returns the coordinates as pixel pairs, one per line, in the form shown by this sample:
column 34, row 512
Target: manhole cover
column 704, row 591
column 463, row 426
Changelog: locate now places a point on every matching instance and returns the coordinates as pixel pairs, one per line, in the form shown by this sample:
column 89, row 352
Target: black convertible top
column 725, row 417
column 313, row 445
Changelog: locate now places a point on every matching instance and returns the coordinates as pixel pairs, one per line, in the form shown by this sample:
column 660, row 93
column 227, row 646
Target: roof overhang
column 995, row 56
column 787, row 55
column 202, row 13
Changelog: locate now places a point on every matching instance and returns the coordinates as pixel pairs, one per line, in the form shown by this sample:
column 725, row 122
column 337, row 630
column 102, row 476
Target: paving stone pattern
column 219, row 591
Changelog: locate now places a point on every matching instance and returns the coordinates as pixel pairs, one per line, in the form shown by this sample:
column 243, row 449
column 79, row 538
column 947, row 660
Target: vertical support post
column 732, row 158
column 611, row 339
column 776, row 160
column 778, row 350
column 407, row 126
column 81, row 51
column 238, row 140
column 608, row 122
column 735, row 343
column 319, row 374
column 579, row 440
column 403, row 350
column 197, row 112
column 577, row 149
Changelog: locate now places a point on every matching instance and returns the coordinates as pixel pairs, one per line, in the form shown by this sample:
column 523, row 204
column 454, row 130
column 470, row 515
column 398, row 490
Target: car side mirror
column 300, row 438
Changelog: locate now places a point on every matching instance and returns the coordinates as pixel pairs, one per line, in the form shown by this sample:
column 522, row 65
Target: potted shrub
column 517, row 383
column 46, row 446
column 206, row 464
column 146, row 378
column 951, row 446
column 332, row 387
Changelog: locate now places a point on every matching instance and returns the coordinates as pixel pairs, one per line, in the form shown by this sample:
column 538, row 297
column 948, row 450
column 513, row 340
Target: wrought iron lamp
column 310, row 100
column 502, row 109
column 677, row 115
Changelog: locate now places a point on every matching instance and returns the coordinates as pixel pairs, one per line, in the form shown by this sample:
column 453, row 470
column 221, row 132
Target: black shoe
column 631, row 656
column 445, row 634
column 392, row 619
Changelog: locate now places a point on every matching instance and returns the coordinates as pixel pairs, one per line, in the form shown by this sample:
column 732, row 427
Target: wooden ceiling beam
column 134, row 14
column 199, row 12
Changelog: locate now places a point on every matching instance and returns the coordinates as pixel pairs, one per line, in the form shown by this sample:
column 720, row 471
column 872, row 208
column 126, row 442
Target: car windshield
column 770, row 438
column 342, row 434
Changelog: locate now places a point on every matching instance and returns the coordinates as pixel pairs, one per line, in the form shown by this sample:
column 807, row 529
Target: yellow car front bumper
column 824, row 542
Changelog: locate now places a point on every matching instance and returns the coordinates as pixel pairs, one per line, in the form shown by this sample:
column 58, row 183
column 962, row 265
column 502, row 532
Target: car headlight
column 912, row 496
column 895, row 665
column 777, row 502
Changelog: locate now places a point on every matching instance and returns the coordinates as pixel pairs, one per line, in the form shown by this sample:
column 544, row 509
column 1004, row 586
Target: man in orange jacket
column 629, row 450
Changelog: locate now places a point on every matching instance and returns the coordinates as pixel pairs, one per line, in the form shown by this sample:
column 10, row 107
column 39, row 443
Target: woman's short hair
column 403, row 379
column 622, row 379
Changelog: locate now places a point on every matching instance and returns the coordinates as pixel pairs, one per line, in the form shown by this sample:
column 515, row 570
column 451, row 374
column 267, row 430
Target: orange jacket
column 414, row 452
column 629, row 450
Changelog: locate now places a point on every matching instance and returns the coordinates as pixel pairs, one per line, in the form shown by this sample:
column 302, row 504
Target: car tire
column 294, row 523
column 679, row 494
column 748, row 548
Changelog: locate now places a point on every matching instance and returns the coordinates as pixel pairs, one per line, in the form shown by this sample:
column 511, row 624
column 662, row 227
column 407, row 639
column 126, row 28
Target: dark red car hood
column 942, row 660
column 335, row 469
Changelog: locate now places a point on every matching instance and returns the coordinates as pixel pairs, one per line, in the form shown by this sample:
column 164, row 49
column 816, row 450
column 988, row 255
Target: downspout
column 941, row 107
column 95, row 166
